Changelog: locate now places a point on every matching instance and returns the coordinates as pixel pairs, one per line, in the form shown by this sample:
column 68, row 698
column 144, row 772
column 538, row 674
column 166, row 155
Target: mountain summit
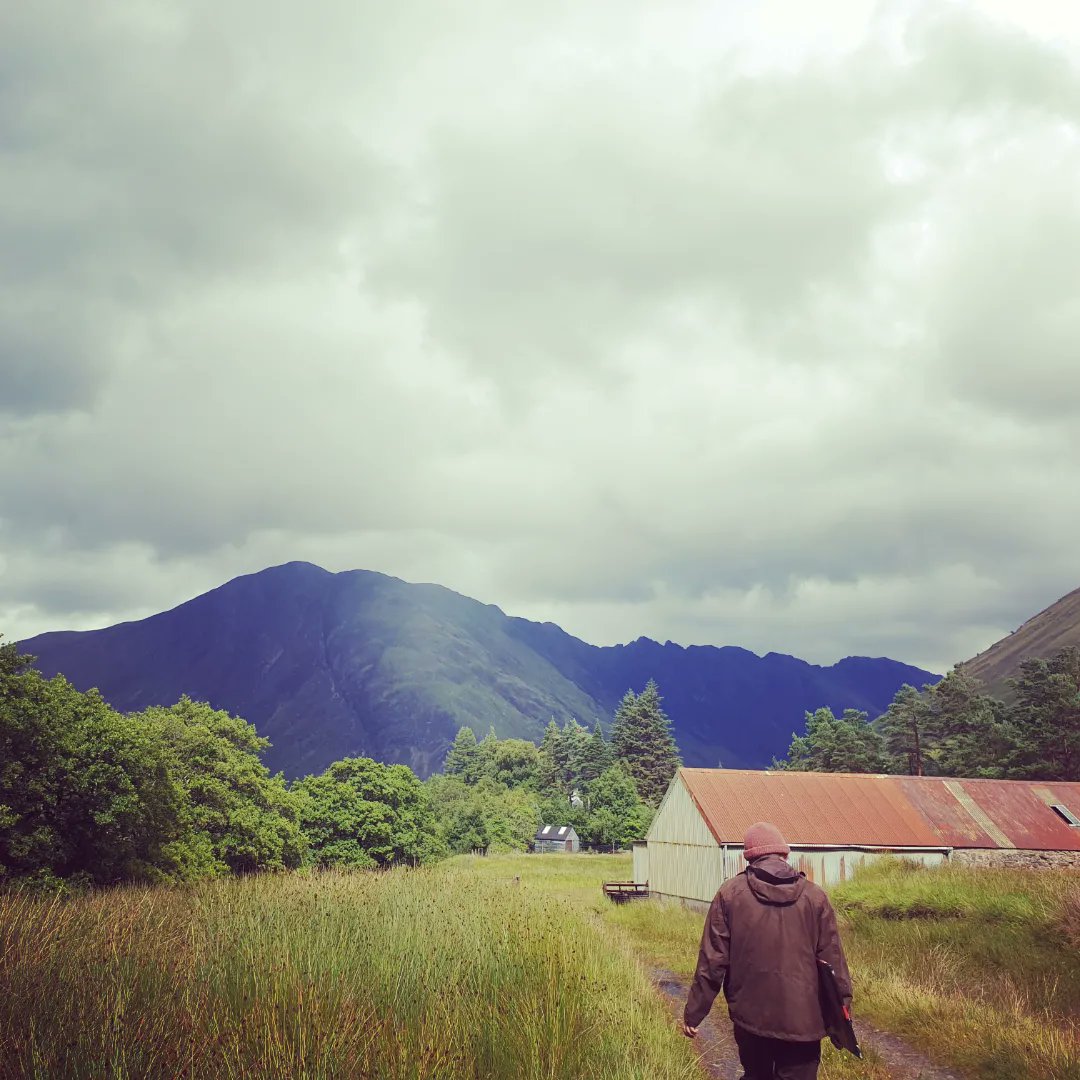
column 329, row 665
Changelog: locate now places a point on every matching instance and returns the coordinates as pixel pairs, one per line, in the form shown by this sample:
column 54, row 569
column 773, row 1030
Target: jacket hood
column 773, row 881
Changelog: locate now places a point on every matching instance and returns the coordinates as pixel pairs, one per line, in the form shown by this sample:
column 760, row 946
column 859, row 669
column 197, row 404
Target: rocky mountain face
column 330, row 665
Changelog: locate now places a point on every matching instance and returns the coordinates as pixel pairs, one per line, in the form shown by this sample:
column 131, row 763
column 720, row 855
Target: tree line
column 955, row 728
column 92, row 796
column 494, row 792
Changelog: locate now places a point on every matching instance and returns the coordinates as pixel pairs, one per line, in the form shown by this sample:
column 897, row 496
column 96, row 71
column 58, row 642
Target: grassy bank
column 979, row 967
column 441, row 973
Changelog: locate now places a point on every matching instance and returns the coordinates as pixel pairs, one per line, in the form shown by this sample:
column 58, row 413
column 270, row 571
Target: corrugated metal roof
column 885, row 811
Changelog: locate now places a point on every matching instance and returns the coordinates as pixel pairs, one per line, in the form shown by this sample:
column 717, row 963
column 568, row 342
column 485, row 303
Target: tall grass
column 433, row 973
column 663, row 935
column 974, row 965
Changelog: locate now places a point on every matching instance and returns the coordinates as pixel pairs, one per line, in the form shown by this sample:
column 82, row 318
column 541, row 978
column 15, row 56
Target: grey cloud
column 669, row 342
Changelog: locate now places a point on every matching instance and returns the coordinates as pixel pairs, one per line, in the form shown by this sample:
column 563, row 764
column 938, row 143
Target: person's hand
column 688, row 1031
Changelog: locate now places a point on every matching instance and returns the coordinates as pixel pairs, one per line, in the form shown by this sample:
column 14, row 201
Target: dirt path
column 715, row 1045
column 903, row 1060
column 719, row 1058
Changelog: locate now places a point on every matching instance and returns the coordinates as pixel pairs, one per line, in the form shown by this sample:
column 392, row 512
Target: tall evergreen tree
column 488, row 746
column 1046, row 717
column 596, row 755
column 463, row 758
column 576, row 742
column 642, row 740
column 909, row 731
column 554, row 760
column 971, row 735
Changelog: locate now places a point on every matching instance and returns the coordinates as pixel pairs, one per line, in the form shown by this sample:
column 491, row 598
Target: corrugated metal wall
column 684, row 860
column 641, row 862
column 684, row 857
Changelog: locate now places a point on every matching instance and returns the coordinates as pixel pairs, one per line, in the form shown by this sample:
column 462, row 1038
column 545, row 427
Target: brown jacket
column 765, row 931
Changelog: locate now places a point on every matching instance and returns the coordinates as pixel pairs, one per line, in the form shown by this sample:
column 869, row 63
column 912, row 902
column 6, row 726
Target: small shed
column 834, row 821
column 556, row 838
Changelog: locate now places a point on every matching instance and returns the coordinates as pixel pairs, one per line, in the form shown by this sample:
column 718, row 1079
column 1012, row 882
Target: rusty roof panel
column 945, row 814
column 809, row 808
column 885, row 811
column 1019, row 811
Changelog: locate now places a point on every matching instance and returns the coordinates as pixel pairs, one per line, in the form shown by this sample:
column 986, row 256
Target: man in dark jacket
column 764, row 934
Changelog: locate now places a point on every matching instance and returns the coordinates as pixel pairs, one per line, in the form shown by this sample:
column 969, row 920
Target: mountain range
column 328, row 665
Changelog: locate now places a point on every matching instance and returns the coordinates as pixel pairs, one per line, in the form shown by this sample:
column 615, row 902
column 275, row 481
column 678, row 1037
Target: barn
column 556, row 838
column 834, row 821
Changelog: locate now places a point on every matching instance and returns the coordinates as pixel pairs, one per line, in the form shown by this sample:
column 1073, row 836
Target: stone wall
column 1016, row 859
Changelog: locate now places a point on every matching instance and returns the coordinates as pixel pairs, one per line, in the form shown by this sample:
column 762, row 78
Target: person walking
column 766, row 930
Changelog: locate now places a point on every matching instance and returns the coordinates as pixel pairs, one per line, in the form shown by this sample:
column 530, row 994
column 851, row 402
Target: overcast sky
column 736, row 322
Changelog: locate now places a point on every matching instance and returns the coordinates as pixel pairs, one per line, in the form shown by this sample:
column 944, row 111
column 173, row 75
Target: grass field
column 509, row 966
column 435, row 973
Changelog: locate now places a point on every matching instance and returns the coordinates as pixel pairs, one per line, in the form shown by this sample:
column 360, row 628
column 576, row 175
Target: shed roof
column 839, row 809
column 555, row 832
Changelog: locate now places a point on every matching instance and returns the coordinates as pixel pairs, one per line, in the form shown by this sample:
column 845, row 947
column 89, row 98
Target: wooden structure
column 620, row 891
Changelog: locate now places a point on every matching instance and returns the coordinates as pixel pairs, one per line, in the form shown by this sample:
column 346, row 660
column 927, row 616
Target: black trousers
column 775, row 1059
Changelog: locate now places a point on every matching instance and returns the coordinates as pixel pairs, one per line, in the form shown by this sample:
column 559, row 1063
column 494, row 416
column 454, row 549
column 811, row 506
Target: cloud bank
column 720, row 325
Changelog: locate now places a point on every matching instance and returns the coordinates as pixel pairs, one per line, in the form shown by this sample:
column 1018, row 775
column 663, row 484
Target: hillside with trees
column 955, row 728
column 90, row 796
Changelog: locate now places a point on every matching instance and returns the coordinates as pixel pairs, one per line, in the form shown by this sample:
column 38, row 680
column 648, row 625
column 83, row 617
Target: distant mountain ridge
column 328, row 665
column 1051, row 630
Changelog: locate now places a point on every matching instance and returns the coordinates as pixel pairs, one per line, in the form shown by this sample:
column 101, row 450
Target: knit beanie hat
column 763, row 838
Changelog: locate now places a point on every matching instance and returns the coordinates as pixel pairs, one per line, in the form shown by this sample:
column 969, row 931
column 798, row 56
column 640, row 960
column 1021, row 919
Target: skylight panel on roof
column 1065, row 814
column 565, row 827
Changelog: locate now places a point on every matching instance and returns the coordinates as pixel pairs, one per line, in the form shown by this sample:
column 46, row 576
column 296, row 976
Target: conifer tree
column 463, row 758
column 552, row 774
column 642, row 740
column 1046, row 717
column 596, row 755
column 488, row 747
column 909, row 730
column 575, row 742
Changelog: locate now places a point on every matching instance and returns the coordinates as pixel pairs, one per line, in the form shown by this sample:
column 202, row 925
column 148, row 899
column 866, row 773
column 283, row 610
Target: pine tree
column 972, row 736
column 463, row 758
column 596, row 755
column 488, row 748
column 576, row 741
column 552, row 774
column 909, row 731
column 642, row 740
column 1046, row 717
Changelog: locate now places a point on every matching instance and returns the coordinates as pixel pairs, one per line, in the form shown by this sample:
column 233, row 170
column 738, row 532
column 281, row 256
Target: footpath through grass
column 661, row 935
column 436, row 973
